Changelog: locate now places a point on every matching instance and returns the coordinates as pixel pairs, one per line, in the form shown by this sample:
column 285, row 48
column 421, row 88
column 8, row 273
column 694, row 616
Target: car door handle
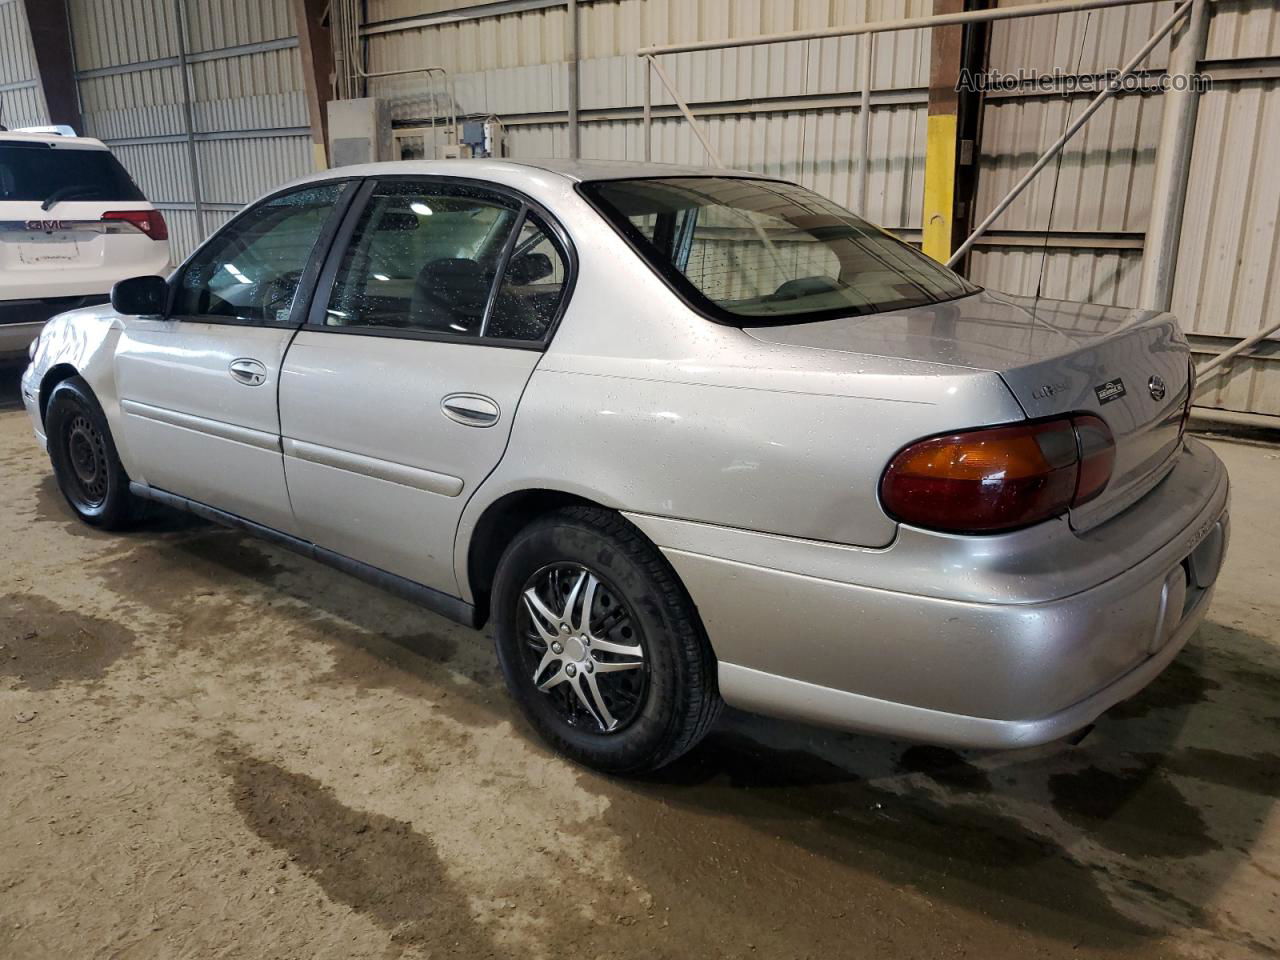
column 248, row 371
column 470, row 409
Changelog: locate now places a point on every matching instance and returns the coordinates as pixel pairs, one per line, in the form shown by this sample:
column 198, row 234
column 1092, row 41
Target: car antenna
column 1057, row 174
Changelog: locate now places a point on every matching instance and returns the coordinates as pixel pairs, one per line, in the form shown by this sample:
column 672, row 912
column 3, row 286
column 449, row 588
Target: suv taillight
column 999, row 478
column 148, row 221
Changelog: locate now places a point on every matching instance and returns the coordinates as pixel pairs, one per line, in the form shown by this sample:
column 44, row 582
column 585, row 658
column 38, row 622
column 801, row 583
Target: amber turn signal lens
column 999, row 478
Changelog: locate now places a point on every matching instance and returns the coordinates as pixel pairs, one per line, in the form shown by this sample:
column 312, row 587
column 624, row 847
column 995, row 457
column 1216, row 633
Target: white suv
column 72, row 223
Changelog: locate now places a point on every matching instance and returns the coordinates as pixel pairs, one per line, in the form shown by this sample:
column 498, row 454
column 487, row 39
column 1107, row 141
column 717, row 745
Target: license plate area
column 46, row 249
column 24, row 247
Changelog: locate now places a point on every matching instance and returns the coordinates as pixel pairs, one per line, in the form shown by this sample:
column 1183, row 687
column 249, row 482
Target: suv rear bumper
column 22, row 320
column 796, row 637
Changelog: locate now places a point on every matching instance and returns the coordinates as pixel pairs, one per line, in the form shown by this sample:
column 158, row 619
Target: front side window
column 250, row 271
column 759, row 251
column 423, row 258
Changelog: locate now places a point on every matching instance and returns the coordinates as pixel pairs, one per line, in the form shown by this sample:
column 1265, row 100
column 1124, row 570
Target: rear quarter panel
column 641, row 405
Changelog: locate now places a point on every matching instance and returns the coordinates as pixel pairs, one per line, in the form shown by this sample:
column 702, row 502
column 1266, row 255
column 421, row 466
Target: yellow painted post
column 938, row 215
column 939, row 185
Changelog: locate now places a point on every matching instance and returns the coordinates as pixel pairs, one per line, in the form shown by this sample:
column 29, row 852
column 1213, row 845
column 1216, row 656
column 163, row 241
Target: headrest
column 529, row 267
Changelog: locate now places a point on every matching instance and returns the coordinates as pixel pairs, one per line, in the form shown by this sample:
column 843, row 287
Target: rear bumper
column 22, row 320
column 956, row 642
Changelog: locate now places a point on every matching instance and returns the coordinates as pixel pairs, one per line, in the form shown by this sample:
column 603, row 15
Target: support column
column 1173, row 163
column 55, row 61
column 941, row 142
column 316, row 50
column 572, row 55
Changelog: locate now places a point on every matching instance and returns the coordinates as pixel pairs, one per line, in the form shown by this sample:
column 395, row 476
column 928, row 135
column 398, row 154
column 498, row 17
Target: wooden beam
column 55, row 62
column 316, row 49
column 941, row 140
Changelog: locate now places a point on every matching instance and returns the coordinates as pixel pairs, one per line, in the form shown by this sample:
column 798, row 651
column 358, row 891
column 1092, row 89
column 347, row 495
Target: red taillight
column 148, row 221
column 1097, row 456
column 999, row 478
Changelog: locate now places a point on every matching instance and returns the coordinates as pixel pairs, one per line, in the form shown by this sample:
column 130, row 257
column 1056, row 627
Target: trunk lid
column 1129, row 367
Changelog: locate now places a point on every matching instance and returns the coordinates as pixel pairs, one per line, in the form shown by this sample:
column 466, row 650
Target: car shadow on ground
column 10, row 386
column 1127, row 835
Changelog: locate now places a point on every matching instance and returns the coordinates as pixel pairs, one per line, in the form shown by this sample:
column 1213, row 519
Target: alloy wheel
column 583, row 647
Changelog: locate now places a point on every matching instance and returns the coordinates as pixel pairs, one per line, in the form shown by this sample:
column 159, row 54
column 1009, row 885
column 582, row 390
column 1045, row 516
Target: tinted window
column 759, row 251
column 532, row 286
column 51, row 174
column 250, row 271
column 423, row 257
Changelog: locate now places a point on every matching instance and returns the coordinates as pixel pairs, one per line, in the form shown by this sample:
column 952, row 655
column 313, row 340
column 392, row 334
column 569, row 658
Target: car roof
column 573, row 170
column 75, row 143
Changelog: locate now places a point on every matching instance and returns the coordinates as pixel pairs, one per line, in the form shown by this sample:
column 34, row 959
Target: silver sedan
column 684, row 437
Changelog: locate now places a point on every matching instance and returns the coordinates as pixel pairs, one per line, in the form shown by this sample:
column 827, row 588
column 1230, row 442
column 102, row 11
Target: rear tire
column 85, row 462
column 627, row 686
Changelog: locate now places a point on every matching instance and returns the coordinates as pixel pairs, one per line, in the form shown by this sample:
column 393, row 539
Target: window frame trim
column 301, row 306
column 559, row 236
column 697, row 301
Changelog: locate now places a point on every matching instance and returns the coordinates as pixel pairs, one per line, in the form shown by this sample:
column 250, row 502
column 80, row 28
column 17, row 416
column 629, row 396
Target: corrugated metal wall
column 789, row 109
column 21, row 99
column 249, row 127
column 1228, row 278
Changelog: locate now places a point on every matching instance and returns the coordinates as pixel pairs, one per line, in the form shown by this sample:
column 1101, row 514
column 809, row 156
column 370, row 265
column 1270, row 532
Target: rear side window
column 532, row 286
column 52, row 174
column 750, row 252
column 423, row 258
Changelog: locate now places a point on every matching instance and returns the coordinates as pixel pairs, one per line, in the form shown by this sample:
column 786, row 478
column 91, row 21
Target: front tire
column 600, row 643
column 85, row 462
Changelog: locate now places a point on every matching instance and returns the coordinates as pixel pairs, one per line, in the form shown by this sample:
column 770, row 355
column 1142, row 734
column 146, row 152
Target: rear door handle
column 248, row 371
column 470, row 409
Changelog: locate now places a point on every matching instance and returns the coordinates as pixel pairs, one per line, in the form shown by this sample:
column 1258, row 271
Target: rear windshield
column 52, row 174
column 752, row 252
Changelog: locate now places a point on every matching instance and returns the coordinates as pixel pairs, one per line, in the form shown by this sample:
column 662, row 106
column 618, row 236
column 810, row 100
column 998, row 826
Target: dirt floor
column 210, row 747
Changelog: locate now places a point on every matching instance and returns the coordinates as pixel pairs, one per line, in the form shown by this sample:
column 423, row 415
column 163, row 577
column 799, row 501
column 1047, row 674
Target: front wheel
column 85, row 462
column 600, row 644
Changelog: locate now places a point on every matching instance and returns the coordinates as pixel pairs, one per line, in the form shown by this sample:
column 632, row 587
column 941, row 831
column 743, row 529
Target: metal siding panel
column 1244, row 28
column 1106, row 170
column 17, row 61
column 1094, row 276
column 237, row 171
column 249, row 92
column 24, row 107
column 1092, row 40
column 230, row 23
column 160, row 169
column 145, row 103
column 1228, row 276
column 21, row 106
column 108, row 33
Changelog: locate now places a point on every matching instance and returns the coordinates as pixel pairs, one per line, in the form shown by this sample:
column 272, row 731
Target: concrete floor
column 212, row 748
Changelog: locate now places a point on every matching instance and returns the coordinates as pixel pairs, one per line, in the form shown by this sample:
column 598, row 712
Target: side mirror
column 140, row 296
